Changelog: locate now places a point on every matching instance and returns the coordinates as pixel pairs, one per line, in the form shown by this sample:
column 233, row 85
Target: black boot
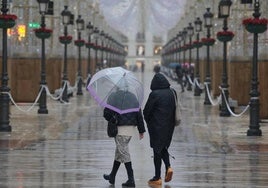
column 111, row 177
column 130, row 182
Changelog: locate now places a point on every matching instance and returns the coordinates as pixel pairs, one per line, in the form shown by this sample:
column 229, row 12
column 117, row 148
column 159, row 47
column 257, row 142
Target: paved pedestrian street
column 69, row 148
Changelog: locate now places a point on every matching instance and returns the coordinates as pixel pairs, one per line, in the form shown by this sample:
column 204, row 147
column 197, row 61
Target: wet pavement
column 69, row 148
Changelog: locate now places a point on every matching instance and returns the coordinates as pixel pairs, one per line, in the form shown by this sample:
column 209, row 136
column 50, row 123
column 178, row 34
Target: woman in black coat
column 159, row 114
column 126, row 124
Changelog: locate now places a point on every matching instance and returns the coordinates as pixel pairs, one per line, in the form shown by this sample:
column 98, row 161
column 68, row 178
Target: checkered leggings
column 122, row 151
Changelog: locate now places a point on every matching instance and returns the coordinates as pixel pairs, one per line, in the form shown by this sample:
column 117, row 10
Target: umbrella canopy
column 174, row 65
column 117, row 89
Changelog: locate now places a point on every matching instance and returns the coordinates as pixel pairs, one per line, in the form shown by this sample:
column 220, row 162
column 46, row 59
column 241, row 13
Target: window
column 140, row 50
column 157, row 50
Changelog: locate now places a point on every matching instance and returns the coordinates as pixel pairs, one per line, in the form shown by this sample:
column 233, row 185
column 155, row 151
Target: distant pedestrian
column 157, row 68
column 127, row 124
column 142, row 66
column 179, row 73
column 159, row 114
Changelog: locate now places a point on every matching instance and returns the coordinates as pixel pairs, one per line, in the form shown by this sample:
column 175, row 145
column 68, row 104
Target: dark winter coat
column 159, row 113
column 132, row 118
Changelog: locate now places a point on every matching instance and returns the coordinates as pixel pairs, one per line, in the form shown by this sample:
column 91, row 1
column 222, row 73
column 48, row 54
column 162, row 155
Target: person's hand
column 141, row 136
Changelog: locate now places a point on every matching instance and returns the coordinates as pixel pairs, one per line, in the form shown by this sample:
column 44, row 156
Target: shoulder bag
column 177, row 110
column 112, row 129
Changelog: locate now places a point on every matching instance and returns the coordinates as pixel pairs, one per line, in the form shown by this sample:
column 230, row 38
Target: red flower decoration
column 225, row 33
column 42, row 33
column 90, row 44
column 79, row 41
column 197, row 44
column 8, row 17
column 43, row 30
column 255, row 25
column 225, row 36
column 66, row 37
column 255, row 21
column 208, row 41
column 204, row 40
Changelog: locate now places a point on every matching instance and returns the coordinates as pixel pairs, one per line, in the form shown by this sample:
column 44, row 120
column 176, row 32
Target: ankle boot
column 130, row 182
column 111, row 177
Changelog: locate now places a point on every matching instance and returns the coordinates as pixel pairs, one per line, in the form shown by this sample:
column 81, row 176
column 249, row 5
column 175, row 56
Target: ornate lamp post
column 90, row 32
column 111, row 46
column 43, row 6
column 176, row 45
column 4, row 97
column 179, row 39
column 169, row 52
column 198, row 29
column 80, row 26
column 173, row 54
column 107, row 48
column 66, row 17
column 174, row 51
column 95, row 38
column 190, row 32
column 224, row 12
column 208, row 24
column 184, row 35
column 102, row 48
column 254, row 127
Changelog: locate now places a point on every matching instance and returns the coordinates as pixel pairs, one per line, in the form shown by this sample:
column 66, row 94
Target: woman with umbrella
column 126, row 127
column 119, row 91
column 159, row 114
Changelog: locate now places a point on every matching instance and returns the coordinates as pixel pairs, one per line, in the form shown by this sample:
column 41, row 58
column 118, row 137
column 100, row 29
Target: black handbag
column 112, row 129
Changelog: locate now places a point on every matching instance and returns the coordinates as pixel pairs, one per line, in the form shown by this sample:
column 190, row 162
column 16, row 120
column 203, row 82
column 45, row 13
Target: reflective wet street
column 69, row 148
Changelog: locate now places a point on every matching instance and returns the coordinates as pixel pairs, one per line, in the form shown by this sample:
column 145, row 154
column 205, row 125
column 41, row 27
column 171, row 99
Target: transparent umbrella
column 117, row 89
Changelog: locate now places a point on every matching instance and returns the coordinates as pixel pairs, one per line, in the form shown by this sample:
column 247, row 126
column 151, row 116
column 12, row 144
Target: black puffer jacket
column 132, row 118
column 159, row 113
column 130, row 101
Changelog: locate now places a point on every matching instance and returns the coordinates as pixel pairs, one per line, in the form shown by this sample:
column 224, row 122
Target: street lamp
column 168, row 52
column 175, row 46
column 102, row 48
column 80, row 26
column 184, row 35
column 66, row 17
column 43, row 6
column 111, row 55
column 198, row 29
column 107, row 48
column 90, row 32
column 208, row 24
column 4, row 89
column 190, row 32
column 224, row 8
column 254, row 127
column 224, row 12
column 179, row 39
column 172, row 52
column 95, row 38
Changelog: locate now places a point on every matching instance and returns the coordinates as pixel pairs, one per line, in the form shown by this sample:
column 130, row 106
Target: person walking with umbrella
column 121, row 95
column 126, row 123
column 159, row 114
